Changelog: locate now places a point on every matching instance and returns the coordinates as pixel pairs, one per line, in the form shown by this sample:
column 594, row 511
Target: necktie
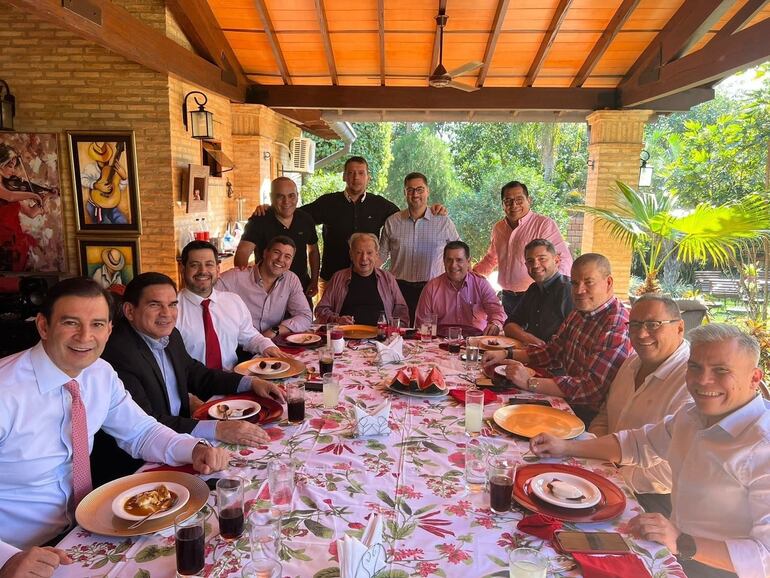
column 213, row 353
column 81, row 465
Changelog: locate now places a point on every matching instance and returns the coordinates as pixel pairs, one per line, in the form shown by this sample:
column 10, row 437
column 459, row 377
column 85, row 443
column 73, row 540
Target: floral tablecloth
column 413, row 477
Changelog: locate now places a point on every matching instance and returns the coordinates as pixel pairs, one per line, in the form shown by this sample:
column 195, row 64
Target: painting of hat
column 101, row 152
column 113, row 258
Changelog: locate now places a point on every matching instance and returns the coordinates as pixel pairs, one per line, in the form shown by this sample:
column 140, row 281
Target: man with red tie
column 53, row 398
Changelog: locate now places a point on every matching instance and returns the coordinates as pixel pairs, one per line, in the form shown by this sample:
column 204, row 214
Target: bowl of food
column 160, row 499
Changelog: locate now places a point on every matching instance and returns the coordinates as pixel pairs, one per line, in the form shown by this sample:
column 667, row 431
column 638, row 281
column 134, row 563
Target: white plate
column 239, row 408
column 255, row 368
column 182, row 495
column 303, row 338
column 500, row 370
column 418, row 393
column 539, row 486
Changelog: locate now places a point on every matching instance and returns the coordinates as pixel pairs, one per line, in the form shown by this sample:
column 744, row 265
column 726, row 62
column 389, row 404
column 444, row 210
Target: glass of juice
column 501, row 475
column 189, row 534
column 474, row 411
column 331, row 391
column 230, row 507
column 527, row 563
column 295, row 402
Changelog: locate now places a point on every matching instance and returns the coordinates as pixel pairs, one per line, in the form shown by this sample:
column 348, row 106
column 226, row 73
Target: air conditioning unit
column 302, row 155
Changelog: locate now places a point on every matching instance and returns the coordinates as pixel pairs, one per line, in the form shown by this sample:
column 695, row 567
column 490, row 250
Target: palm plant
column 657, row 228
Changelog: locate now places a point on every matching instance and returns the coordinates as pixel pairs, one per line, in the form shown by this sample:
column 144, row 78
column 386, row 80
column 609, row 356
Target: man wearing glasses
column 414, row 239
column 509, row 237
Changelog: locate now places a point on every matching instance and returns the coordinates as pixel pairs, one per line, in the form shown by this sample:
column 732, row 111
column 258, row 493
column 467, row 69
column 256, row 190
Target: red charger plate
column 270, row 410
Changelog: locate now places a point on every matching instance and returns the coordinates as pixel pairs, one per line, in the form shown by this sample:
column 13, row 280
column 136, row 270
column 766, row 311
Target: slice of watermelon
column 434, row 382
column 402, row 381
column 416, row 377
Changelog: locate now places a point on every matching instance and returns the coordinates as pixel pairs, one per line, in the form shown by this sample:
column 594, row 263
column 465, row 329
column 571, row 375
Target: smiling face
column 283, row 198
column 515, row 203
column 356, row 177
column 77, row 332
column 721, row 377
column 456, row 265
column 654, row 347
column 541, row 264
column 416, row 192
column 363, row 256
column 201, row 271
column 156, row 313
column 277, row 259
column 590, row 287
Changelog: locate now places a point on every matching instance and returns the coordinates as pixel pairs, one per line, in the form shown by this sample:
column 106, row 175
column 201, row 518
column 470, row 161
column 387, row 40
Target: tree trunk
column 547, row 146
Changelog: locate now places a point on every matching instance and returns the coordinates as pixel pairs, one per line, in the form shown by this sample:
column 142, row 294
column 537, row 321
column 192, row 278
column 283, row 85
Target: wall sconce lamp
column 591, row 163
column 7, row 106
column 202, row 120
column 266, row 155
column 645, row 171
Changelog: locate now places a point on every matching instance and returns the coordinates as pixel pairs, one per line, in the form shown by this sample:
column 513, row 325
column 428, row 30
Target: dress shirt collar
column 427, row 215
column 350, row 200
column 258, row 277
column 152, row 343
column 669, row 365
column 452, row 285
column 47, row 373
column 197, row 299
column 599, row 310
column 735, row 423
column 520, row 222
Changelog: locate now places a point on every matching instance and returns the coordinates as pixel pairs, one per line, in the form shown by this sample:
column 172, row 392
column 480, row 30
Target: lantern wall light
column 645, row 170
column 7, row 106
column 202, row 120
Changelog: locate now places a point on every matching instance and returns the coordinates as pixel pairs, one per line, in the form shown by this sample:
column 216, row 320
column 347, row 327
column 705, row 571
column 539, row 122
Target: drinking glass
column 262, row 568
column 325, row 360
column 230, row 507
column 475, row 466
column 501, row 475
column 190, row 534
column 474, row 411
column 331, row 391
column 424, row 328
column 295, row 402
column 527, row 563
column 382, row 326
column 265, row 527
column 454, row 338
column 280, row 482
column 472, row 355
column 433, row 325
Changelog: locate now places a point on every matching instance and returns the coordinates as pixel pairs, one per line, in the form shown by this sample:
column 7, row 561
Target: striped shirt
column 416, row 247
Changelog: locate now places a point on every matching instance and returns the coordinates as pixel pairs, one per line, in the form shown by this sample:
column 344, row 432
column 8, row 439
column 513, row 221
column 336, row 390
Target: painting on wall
column 197, row 181
column 109, row 261
column 31, row 223
column 105, row 181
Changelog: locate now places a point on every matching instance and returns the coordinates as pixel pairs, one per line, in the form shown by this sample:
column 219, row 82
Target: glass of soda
column 230, row 507
column 295, row 402
column 325, row 360
column 189, row 533
column 502, row 471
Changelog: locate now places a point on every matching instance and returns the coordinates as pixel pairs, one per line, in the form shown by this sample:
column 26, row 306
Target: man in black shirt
column 282, row 218
column 547, row 302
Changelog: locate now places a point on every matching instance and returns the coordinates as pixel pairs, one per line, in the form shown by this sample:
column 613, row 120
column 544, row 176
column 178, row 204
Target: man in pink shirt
column 460, row 297
column 509, row 237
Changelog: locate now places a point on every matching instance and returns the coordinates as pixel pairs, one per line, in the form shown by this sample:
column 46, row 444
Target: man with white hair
column 718, row 448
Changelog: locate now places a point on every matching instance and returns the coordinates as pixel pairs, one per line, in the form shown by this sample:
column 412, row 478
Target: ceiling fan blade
column 466, row 68
column 463, row 87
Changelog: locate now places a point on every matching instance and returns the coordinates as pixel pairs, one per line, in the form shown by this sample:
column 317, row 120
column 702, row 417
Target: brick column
column 616, row 139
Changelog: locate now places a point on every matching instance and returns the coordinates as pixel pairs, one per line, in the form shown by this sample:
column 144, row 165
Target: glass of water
column 475, row 466
column 527, row 563
column 472, row 355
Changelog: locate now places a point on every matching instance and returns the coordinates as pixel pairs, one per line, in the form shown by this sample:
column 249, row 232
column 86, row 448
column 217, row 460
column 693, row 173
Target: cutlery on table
column 165, row 505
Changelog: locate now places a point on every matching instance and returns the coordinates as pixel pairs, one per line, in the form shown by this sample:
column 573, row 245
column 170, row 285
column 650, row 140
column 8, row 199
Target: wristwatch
column 532, row 384
column 275, row 329
column 685, row 546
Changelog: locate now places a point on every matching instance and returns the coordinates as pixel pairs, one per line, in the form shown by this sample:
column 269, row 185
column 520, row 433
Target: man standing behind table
column 509, row 237
column 547, row 302
column 359, row 293
column 213, row 323
column 414, row 239
column 460, row 297
column 588, row 349
column 53, row 397
column 282, row 218
column 272, row 293
column 718, row 448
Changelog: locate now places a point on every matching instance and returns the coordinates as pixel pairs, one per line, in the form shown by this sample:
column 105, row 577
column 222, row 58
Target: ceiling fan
column 440, row 78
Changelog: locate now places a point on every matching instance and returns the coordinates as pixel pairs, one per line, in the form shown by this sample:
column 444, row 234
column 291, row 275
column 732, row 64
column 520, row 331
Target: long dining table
column 413, row 477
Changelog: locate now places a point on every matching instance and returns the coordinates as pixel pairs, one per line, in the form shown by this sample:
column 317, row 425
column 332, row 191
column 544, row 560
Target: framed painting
column 105, row 181
column 31, row 222
column 109, row 261
column 197, row 188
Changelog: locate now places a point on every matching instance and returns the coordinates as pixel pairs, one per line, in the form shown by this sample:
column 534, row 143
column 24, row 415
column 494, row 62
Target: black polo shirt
column 260, row 230
column 541, row 310
column 340, row 219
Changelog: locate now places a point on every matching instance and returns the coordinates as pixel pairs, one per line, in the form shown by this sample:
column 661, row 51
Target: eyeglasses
column 516, row 201
column 649, row 326
column 418, row 190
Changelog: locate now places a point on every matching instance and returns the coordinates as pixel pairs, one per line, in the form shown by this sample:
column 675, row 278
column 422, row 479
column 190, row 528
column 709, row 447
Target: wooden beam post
column 494, row 35
column 739, row 19
column 545, row 45
column 381, row 33
column 272, row 39
column 324, row 25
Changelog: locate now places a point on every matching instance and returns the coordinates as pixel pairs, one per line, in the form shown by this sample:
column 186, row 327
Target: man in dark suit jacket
column 149, row 355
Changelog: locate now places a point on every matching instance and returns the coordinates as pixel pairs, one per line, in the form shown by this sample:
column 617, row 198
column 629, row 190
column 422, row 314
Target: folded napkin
column 459, row 395
column 391, row 350
column 374, row 422
column 365, row 557
column 185, row 469
column 540, row 525
column 611, row 566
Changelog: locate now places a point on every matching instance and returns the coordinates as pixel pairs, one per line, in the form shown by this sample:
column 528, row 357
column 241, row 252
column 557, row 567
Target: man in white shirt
column 719, row 451
column 230, row 318
column 53, row 398
column 648, row 387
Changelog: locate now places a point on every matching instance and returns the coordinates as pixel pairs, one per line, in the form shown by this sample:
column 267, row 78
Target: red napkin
column 185, row 469
column 541, row 525
column 459, row 395
column 611, row 566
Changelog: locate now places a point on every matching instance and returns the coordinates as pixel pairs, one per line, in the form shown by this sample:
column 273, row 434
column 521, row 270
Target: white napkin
column 391, row 351
column 374, row 422
column 365, row 557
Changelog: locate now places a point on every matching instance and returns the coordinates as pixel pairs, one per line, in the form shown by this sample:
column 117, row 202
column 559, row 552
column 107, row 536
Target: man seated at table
column 149, row 355
column 648, row 386
column 588, row 349
column 212, row 322
column 52, row 398
column 718, row 448
column 547, row 302
column 360, row 292
column 460, row 297
column 272, row 293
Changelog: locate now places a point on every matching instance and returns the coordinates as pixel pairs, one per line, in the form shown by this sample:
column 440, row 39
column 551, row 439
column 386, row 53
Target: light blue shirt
column 36, row 446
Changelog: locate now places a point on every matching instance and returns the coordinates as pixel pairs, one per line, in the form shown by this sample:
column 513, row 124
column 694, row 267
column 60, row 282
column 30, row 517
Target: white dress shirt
column 232, row 322
column 36, row 444
column 662, row 393
column 721, row 477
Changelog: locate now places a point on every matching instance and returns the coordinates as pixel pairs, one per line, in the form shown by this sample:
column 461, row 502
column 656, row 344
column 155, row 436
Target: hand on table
column 492, row 330
column 547, row 446
column 34, row 562
column 241, row 432
column 195, row 403
column 656, row 528
column 267, row 389
column 516, row 373
column 492, row 359
column 345, row 320
column 275, row 351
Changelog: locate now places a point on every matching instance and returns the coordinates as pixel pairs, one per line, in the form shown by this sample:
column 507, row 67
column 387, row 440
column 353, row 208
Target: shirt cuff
column 206, row 430
column 7, row 552
column 244, row 385
column 746, row 557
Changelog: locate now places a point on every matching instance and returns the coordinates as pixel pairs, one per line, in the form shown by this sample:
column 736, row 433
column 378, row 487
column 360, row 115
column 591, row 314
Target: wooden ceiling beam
column 610, row 32
column 324, row 25
column 381, row 34
column 117, row 30
column 272, row 39
column 494, row 35
column 545, row 45
column 200, row 27
column 740, row 19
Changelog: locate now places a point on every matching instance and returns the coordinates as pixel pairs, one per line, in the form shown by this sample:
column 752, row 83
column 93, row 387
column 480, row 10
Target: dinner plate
column 358, row 331
column 418, row 393
column 500, row 370
column 295, row 367
column 591, row 494
column 303, row 338
column 280, row 366
column 94, row 512
column 529, row 420
column 118, row 504
column 239, row 408
column 270, row 410
column 493, row 342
